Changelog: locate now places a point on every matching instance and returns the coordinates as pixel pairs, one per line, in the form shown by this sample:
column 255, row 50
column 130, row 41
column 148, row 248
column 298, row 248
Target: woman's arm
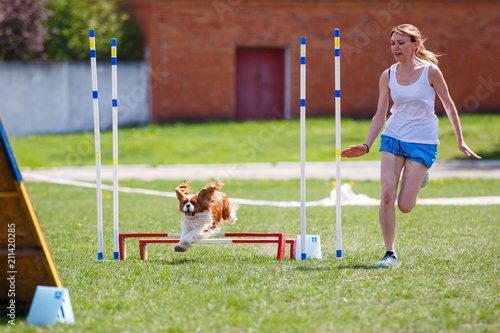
column 378, row 120
column 436, row 80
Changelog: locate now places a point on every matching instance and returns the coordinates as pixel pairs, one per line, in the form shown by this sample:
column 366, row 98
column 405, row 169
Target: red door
column 260, row 83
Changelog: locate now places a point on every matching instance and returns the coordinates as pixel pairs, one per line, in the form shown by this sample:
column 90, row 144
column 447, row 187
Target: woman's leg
column 413, row 175
column 390, row 172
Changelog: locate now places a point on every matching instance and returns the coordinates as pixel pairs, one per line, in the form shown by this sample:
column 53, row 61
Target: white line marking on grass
column 349, row 198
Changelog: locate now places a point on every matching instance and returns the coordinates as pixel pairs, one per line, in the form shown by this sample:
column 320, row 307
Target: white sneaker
column 387, row 261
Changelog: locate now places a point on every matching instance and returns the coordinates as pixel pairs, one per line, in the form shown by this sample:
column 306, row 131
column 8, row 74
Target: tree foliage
column 22, row 28
column 69, row 24
column 59, row 29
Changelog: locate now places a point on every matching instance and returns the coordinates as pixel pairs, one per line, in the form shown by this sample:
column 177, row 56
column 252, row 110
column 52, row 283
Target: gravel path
column 281, row 171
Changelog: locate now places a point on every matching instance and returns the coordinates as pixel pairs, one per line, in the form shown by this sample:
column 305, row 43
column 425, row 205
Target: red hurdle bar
column 123, row 243
column 281, row 241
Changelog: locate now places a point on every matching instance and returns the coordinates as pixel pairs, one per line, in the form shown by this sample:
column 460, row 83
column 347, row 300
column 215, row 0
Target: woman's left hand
column 467, row 151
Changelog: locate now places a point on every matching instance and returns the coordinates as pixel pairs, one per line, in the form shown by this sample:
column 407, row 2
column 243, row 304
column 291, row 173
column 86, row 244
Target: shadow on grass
column 357, row 266
column 353, row 266
column 172, row 262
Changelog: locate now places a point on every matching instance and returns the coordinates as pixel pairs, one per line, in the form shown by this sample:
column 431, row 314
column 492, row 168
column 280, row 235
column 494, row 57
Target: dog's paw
column 180, row 248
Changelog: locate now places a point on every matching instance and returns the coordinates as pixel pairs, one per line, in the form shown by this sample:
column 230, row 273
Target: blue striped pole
column 303, row 147
column 338, row 180
column 97, row 135
column 114, row 103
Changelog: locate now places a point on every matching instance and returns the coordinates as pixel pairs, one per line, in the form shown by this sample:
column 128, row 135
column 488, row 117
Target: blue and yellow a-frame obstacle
column 24, row 253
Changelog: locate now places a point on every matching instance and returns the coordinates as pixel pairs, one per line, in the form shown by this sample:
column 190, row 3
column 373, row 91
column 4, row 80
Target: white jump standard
column 97, row 137
column 303, row 148
column 114, row 105
column 338, row 180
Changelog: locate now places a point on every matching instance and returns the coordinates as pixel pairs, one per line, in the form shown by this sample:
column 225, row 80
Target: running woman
column 410, row 138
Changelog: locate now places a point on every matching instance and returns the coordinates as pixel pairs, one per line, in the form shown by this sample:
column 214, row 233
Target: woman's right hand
column 354, row 151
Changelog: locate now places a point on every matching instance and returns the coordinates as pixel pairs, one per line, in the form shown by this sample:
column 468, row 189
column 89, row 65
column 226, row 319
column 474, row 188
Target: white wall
column 56, row 97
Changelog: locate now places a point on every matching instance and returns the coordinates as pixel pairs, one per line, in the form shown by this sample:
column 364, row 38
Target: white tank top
column 413, row 117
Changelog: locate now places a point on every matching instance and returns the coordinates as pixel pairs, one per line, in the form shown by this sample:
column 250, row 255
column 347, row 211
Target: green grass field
column 448, row 279
column 237, row 142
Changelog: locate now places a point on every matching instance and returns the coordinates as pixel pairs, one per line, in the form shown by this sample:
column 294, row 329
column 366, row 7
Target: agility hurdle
column 119, row 248
column 281, row 240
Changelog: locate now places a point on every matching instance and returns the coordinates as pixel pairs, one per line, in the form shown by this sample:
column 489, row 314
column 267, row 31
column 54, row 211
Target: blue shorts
column 419, row 152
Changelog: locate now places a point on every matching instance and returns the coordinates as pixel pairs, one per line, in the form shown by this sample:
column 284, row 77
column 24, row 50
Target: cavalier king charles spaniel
column 203, row 213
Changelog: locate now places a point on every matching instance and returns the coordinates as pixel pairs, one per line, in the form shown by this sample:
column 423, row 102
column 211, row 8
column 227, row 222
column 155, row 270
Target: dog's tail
column 232, row 218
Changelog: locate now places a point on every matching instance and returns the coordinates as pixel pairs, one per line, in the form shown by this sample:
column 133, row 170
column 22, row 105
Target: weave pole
column 114, row 103
column 303, row 148
column 97, row 136
column 338, row 144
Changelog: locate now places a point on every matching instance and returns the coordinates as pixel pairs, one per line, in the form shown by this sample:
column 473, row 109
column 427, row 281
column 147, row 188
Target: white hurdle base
column 313, row 247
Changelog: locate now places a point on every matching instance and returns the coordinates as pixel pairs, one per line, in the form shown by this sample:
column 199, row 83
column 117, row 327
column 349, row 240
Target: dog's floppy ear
column 208, row 191
column 182, row 190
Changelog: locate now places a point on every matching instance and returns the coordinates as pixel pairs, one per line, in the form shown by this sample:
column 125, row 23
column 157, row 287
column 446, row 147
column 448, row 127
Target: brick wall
column 192, row 43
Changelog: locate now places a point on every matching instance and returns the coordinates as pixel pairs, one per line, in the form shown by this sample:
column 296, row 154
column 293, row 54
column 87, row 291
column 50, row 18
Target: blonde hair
column 415, row 35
